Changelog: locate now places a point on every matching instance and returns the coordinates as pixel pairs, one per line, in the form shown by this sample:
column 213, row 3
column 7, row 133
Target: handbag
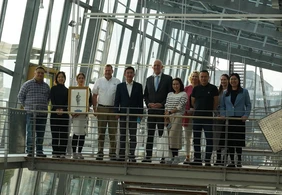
column 163, row 145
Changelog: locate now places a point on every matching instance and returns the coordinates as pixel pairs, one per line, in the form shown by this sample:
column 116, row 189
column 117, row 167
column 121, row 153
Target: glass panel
column 108, row 6
column 13, row 27
column 136, row 46
column 46, row 182
column 10, row 180
column 55, row 25
column 40, row 26
column 130, row 21
column 121, row 9
column 133, row 5
column 5, row 87
column 114, row 44
column 125, row 46
column 1, row 2
column 27, row 181
column 83, row 39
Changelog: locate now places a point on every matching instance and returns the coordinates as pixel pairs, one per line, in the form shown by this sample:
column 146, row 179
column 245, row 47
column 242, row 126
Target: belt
column 104, row 105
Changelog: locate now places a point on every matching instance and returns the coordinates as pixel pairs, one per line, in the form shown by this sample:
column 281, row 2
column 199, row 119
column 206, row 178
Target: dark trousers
column 198, row 125
column 132, row 127
column 78, row 139
column 40, row 124
column 152, row 122
column 60, row 134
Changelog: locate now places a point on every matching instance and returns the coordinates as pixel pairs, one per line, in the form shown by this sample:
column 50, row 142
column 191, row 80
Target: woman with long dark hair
column 235, row 103
column 59, row 121
column 175, row 107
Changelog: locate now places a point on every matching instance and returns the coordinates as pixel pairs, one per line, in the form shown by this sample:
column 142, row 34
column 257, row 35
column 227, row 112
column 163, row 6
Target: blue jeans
column 198, row 125
column 40, row 125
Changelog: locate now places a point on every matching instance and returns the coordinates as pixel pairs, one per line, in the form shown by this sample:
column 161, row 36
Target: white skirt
column 80, row 125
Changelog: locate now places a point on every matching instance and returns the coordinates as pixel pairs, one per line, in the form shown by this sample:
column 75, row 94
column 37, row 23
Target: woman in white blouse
column 174, row 109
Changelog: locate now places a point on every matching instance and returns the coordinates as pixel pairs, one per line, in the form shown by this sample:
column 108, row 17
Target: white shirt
column 129, row 87
column 106, row 90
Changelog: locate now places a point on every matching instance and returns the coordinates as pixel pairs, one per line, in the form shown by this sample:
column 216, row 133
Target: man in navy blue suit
column 128, row 100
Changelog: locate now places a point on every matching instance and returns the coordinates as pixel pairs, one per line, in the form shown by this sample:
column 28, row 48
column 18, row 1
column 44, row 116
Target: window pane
column 10, row 181
column 13, row 27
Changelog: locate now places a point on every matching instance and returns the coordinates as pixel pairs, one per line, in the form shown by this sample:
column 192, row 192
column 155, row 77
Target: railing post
column 127, row 145
column 212, row 190
column 225, row 159
column 34, row 130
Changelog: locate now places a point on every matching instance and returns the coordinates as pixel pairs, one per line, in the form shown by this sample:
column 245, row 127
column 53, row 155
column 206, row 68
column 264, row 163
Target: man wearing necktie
column 157, row 87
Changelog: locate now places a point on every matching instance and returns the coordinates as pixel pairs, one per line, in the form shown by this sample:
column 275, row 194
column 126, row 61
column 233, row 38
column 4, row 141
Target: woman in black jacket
column 59, row 121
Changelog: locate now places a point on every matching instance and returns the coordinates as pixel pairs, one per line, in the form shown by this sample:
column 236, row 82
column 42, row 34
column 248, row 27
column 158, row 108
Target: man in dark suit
column 157, row 87
column 128, row 100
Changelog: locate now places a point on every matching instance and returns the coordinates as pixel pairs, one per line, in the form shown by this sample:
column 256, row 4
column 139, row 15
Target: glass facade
column 63, row 35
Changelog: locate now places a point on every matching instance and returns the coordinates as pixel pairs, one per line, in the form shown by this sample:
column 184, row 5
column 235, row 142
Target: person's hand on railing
column 244, row 118
column 222, row 117
column 74, row 115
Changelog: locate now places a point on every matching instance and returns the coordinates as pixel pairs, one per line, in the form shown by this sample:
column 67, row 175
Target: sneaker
column 55, row 156
column 63, row 156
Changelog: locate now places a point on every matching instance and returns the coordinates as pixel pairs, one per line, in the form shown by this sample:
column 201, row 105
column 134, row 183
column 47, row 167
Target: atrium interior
column 220, row 36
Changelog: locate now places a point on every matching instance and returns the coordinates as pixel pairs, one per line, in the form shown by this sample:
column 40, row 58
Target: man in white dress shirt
column 104, row 91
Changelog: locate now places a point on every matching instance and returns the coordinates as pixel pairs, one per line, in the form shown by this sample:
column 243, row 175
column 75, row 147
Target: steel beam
column 263, row 29
column 221, row 36
column 46, row 32
column 2, row 16
column 62, row 34
column 6, row 70
column 243, row 6
column 165, row 174
column 25, row 46
column 91, row 41
column 269, row 61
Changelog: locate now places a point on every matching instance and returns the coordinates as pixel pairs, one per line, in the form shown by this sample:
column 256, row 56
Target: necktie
column 157, row 79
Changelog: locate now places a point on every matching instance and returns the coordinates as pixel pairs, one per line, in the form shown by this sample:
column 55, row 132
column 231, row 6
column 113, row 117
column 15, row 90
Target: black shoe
column 239, row 165
column 132, row 160
column 231, row 165
column 29, row 155
column 41, row 155
column 121, row 159
column 162, row 161
column 99, row 156
column 147, row 160
column 113, row 157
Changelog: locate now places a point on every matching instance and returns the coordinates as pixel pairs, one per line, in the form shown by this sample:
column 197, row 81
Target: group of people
column 166, row 99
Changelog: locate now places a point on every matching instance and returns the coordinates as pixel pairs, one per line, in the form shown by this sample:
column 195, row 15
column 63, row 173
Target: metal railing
column 255, row 149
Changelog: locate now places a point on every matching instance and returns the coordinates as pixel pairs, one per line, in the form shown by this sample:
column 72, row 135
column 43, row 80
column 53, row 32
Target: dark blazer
column 123, row 101
column 159, row 96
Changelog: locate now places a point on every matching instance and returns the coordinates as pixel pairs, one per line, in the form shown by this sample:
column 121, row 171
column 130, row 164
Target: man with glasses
column 34, row 95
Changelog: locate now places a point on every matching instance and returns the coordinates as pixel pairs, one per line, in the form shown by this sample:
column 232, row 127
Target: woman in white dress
column 174, row 108
column 80, row 123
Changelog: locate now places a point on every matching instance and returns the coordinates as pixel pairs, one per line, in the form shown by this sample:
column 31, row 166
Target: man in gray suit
column 157, row 87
